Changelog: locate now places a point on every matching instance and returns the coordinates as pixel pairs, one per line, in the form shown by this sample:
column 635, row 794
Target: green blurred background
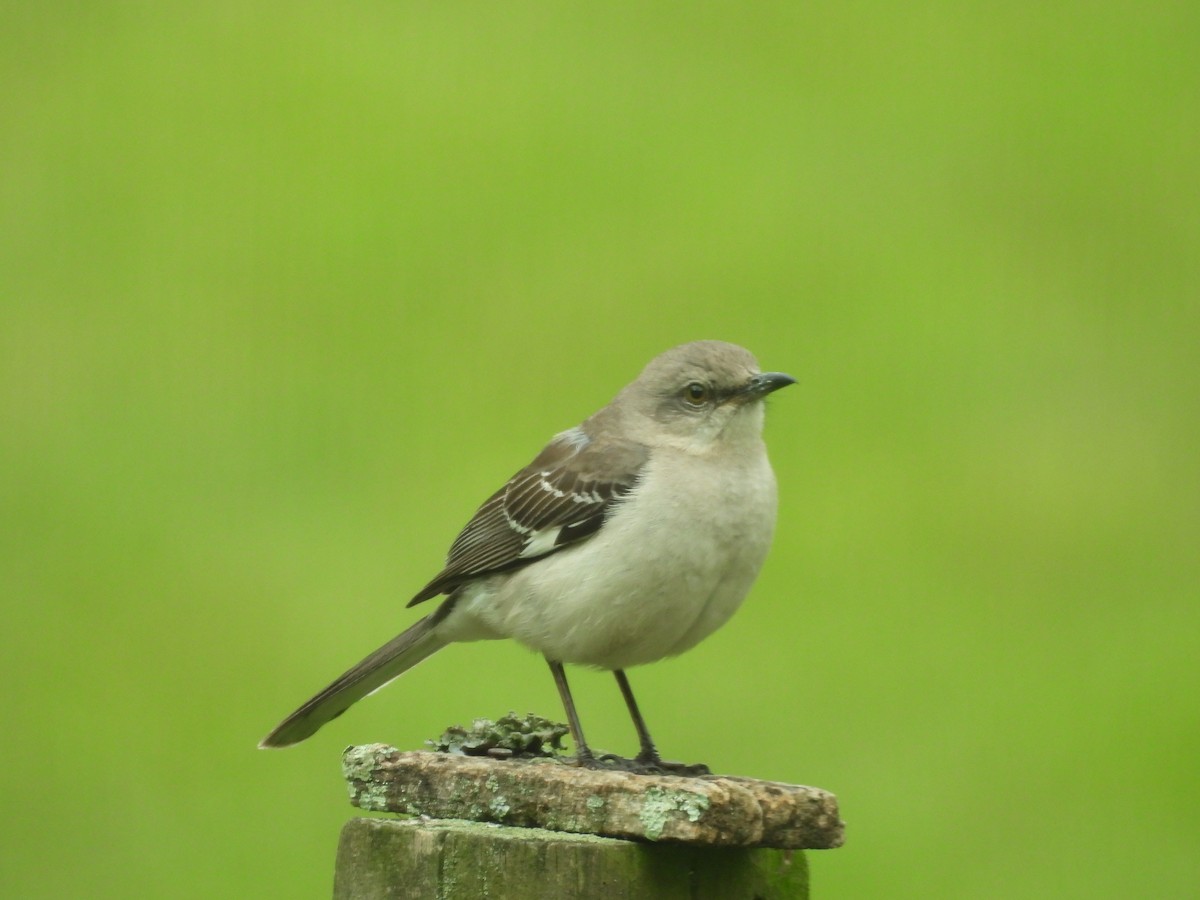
column 287, row 289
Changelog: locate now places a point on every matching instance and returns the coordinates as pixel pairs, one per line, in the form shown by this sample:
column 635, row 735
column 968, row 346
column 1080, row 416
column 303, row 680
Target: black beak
column 761, row 385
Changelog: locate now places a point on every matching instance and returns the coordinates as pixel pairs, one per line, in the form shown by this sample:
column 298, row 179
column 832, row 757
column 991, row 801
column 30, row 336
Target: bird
column 628, row 539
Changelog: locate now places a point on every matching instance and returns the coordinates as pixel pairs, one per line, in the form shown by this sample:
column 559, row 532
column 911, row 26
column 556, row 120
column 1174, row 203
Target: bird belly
column 668, row 568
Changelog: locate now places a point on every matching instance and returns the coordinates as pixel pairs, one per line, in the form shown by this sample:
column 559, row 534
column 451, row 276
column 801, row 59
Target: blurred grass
column 285, row 292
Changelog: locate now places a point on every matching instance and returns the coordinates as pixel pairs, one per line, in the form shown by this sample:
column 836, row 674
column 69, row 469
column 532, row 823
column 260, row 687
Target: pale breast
column 668, row 568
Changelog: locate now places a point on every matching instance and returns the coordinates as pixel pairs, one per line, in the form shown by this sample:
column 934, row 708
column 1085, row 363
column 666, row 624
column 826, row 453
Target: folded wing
column 562, row 497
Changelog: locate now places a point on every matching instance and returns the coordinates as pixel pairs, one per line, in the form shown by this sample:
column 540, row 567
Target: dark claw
column 670, row 767
column 640, row 765
column 590, row 762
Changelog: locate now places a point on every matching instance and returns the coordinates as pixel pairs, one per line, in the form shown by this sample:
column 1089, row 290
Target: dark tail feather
column 391, row 660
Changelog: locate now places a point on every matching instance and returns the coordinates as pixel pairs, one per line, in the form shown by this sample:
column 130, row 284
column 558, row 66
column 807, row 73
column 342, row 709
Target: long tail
column 391, row 660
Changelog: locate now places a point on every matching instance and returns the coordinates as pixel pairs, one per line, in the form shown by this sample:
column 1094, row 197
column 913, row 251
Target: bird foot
column 687, row 770
column 640, row 765
column 657, row 766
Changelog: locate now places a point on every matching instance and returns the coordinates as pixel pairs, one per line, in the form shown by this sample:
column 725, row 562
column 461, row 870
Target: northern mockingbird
column 629, row 538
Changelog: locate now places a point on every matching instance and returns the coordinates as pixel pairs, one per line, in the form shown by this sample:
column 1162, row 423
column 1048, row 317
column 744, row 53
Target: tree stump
column 541, row 828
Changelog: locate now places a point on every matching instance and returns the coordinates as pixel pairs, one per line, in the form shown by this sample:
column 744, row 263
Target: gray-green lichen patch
column 498, row 806
column 660, row 805
column 358, row 763
column 526, row 737
column 586, row 817
column 358, row 767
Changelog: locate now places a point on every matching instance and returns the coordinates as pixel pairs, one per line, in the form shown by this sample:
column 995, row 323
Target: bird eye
column 695, row 393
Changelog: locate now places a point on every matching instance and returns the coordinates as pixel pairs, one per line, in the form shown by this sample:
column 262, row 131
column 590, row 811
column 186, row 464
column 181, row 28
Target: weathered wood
column 711, row 811
column 389, row 859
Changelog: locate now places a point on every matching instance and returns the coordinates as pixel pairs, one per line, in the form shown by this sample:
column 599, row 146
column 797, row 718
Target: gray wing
column 560, row 498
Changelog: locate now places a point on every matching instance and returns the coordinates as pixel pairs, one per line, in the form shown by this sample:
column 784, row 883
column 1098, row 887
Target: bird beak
column 765, row 383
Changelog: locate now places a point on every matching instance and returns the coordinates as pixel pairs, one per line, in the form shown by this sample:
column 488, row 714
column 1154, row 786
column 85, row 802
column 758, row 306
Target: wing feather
column 562, row 497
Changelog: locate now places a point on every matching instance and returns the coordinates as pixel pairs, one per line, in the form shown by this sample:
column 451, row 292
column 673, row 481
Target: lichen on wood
column 711, row 810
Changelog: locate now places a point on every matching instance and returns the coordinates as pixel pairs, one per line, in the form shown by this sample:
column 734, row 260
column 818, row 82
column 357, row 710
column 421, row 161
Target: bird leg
column 648, row 759
column 583, row 753
column 648, row 754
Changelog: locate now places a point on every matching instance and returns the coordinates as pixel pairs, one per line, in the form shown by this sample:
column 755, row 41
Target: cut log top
column 709, row 810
